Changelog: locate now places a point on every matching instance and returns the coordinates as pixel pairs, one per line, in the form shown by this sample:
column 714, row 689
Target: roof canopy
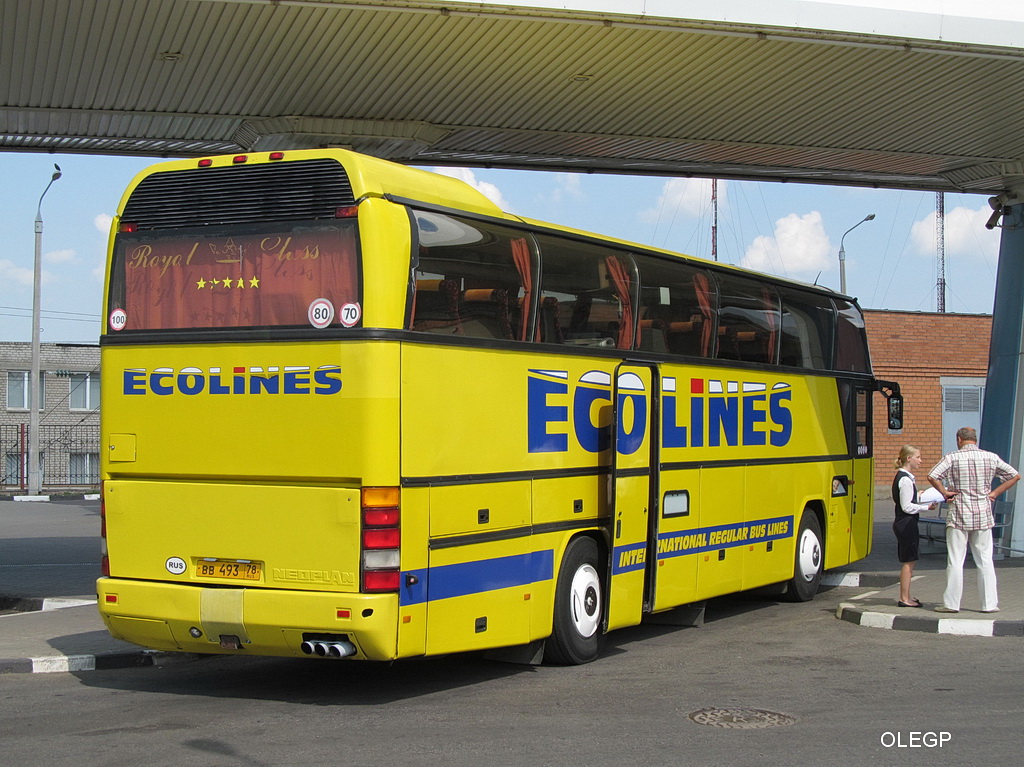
column 899, row 99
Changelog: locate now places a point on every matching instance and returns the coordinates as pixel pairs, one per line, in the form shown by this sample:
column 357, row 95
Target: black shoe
column 915, row 603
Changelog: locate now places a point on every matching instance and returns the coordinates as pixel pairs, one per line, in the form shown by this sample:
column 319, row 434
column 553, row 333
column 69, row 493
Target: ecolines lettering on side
column 325, row 379
column 712, row 413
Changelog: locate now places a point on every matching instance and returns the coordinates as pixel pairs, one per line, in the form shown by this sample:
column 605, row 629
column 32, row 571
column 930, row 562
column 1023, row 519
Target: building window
column 85, row 391
column 15, row 469
column 84, row 469
column 18, row 390
column 12, row 469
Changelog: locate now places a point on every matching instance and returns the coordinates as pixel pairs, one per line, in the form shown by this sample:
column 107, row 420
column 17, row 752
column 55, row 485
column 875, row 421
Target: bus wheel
column 578, row 603
column 810, row 560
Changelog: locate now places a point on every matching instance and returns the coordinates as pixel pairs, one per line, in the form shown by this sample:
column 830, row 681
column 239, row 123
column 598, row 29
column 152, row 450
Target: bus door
column 853, row 487
column 862, row 474
column 633, row 536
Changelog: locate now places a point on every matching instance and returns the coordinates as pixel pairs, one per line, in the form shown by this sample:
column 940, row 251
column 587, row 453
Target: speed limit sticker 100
column 118, row 319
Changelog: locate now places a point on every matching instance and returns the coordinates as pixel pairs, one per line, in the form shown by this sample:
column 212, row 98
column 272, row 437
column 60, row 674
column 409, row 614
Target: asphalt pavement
column 49, row 562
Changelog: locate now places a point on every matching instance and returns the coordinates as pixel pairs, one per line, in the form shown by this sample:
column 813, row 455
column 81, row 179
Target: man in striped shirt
column 965, row 479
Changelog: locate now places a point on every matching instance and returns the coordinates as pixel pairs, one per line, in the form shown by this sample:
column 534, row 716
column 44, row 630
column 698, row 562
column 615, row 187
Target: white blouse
column 906, row 487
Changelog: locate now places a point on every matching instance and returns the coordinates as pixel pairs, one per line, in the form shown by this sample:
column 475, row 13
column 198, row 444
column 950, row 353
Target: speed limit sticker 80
column 321, row 313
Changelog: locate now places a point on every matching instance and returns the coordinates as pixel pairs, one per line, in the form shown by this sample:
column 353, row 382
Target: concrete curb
column 50, row 664
column 929, row 624
column 856, row 580
column 48, row 498
column 41, row 604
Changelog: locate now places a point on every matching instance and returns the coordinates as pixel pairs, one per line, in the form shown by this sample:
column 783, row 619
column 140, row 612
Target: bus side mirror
column 895, row 412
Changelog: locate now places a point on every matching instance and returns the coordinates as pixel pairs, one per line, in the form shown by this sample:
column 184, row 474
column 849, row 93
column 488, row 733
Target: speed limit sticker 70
column 349, row 315
column 321, row 313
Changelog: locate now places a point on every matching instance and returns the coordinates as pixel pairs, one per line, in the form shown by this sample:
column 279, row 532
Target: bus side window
column 588, row 294
column 436, row 306
column 750, row 320
column 851, row 339
column 471, row 278
column 808, row 326
column 677, row 308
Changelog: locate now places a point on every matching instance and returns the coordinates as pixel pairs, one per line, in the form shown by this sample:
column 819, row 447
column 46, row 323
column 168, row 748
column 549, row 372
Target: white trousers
column 956, row 552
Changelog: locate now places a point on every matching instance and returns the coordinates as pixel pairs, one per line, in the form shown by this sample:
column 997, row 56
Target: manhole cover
column 741, row 718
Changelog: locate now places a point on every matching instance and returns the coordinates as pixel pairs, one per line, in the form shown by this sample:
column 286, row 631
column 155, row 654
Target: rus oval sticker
column 175, row 565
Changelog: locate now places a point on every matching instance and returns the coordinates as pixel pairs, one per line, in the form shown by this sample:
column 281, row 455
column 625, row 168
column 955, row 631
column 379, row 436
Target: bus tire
column 810, row 560
column 576, row 631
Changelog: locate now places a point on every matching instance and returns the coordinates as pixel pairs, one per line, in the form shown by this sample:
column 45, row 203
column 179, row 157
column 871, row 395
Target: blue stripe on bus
column 466, row 578
column 633, row 556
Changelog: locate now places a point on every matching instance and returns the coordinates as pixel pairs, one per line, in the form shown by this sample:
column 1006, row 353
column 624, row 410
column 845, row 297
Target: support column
column 1002, row 419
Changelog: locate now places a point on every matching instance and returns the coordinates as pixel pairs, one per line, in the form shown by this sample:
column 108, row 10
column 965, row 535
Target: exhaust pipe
column 328, row 649
column 341, row 649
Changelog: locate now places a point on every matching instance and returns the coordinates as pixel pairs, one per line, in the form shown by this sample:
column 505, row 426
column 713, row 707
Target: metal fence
column 70, row 456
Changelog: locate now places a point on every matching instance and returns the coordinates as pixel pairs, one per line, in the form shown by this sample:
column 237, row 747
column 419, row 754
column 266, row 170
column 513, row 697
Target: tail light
column 382, row 538
column 104, row 559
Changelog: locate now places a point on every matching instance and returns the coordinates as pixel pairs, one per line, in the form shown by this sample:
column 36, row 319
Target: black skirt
column 907, row 539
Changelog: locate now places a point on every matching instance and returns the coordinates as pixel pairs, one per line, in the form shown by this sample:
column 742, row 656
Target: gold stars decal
column 228, row 283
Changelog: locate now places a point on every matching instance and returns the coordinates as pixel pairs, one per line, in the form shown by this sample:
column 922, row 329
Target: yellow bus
column 354, row 410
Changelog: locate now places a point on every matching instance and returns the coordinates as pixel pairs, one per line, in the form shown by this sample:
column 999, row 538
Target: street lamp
column 842, row 252
column 34, row 478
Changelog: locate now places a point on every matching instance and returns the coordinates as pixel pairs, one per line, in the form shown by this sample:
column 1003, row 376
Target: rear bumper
column 167, row 616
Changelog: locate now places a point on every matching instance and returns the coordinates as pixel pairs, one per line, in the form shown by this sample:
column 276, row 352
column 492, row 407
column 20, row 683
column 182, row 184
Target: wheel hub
column 586, row 601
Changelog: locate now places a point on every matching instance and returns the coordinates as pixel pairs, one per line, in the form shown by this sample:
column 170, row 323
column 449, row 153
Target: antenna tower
column 940, row 250
column 714, row 219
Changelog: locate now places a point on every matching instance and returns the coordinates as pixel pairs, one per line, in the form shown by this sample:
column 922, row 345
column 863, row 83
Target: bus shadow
column 308, row 682
column 340, row 683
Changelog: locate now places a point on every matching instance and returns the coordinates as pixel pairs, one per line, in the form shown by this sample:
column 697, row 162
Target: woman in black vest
column 904, row 493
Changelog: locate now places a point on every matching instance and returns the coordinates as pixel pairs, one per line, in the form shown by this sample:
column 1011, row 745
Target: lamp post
column 34, row 400
column 842, row 252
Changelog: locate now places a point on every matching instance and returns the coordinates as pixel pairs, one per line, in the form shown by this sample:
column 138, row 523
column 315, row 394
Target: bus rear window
column 296, row 274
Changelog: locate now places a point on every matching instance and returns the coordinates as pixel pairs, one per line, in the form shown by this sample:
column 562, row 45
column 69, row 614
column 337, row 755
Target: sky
column 792, row 230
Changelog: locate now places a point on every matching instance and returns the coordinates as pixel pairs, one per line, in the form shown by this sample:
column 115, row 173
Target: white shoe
column 993, row 610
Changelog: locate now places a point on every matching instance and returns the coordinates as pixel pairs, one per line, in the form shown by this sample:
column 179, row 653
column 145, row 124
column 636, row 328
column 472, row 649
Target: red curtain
column 623, row 288
column 768, row 296
column 707, row 327
column 523, row 262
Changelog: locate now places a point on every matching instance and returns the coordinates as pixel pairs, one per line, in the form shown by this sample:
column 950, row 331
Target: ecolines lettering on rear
column 299, row 379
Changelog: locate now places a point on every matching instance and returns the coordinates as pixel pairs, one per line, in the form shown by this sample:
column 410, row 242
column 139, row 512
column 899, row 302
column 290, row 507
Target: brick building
column 69, row 417
column 940, row 362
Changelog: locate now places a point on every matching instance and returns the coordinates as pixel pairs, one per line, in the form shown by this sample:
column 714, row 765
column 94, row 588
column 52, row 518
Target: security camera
column 997, row 212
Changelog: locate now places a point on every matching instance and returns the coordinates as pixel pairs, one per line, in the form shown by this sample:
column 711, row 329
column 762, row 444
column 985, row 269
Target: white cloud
column 102, row 222
column 19, row 275
column 487, row 189
column 64, row 256
column 798, row 245
column 687, row 196
column 566, row 187
column 965, row 234
column 10, row 273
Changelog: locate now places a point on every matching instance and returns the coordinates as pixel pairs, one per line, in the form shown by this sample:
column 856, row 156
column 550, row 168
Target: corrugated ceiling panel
column 500, row 86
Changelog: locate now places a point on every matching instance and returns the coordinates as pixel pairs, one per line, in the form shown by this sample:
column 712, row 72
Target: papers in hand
column 931, row 495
